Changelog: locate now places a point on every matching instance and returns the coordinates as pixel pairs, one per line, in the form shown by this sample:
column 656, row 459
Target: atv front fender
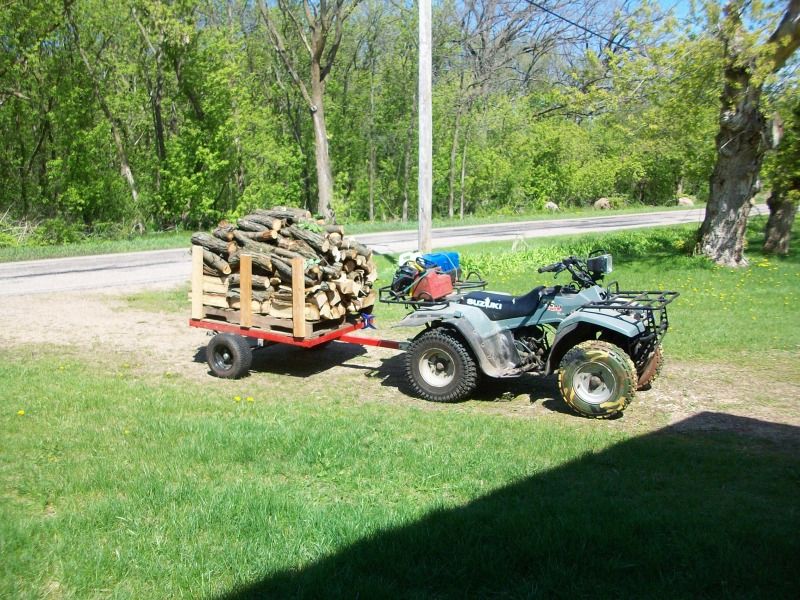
column 583, row 325
column 492, row 346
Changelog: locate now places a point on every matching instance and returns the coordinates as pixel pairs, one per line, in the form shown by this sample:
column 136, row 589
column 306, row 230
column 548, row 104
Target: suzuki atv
column 604, row 343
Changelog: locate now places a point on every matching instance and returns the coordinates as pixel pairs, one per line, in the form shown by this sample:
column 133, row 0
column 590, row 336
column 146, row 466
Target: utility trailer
column 229, row 353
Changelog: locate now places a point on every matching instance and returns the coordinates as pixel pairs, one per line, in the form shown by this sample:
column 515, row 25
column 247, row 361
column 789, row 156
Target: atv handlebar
column 554, row 268
column 576, row 267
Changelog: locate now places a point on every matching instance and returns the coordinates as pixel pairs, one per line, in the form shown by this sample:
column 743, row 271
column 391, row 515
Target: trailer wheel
column 597, row 379
column 440, row 367
column 229, row 356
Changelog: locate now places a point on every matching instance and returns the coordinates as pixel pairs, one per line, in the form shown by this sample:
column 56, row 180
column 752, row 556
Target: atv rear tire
column 651, row 370
column 440, row 367
column 597, row 379
column 229, row 356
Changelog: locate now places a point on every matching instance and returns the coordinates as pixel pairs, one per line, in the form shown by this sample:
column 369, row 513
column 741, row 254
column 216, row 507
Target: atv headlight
column 600, row 264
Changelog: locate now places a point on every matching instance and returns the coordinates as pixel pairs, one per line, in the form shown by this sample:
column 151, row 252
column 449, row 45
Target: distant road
column 166, row 268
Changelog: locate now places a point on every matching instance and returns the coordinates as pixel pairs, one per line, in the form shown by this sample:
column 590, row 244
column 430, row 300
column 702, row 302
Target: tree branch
column 280, row 48
column 786, row 38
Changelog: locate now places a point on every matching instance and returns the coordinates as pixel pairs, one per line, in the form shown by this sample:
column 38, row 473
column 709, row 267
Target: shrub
column 55, row 232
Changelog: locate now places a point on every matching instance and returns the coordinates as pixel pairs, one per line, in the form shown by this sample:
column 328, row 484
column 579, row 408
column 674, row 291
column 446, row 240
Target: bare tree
column 744, row 134
column 320, row 32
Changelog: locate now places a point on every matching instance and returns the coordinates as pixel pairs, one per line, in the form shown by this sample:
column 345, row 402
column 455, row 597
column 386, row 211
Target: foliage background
column 212, row 125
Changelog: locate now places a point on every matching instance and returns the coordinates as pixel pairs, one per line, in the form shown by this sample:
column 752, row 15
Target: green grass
column 152, row 241
column 117, row 484
column 180, row 239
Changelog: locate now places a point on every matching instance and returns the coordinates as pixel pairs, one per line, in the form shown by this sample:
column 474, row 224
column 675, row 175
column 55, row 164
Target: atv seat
column 499, row 307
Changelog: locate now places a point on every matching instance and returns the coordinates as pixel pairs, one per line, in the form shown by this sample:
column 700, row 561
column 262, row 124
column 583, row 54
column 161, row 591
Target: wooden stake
column 246, row 290
column 298, row 298
column 197, row 282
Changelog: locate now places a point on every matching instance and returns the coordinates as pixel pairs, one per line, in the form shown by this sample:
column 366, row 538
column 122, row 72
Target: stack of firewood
column 338, row 271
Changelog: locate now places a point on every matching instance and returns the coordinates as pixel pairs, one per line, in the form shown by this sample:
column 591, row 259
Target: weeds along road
column 167, row 268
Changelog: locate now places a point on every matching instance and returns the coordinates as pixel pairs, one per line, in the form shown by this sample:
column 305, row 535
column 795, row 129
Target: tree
column 785, row 181
column 744, row 134
column 321, row 36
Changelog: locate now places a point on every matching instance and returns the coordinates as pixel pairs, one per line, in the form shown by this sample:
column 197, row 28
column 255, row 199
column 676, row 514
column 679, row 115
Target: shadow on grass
column 676, row 513
column 282, row 359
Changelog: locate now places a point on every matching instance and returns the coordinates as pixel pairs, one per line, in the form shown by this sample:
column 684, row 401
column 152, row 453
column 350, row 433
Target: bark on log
column 360, row 248
column 315, row 240
column 211, row 243
column 259, row 281
column 250, row 225
column 267, row 221
column 224, row 233
column 215, row 262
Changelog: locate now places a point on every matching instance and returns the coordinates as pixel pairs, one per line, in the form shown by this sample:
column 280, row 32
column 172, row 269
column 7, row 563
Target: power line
column 578, row 25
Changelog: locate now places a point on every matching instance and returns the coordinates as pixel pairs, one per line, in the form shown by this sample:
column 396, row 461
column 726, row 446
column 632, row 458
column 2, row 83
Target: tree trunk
column 463, row 176
column 453, row 153
column 324, row 178
column 782, row 211
column 740, row 151
column 407, row 157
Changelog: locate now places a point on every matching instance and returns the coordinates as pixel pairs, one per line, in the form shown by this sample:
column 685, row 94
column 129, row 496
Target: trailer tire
column 229, row 356
column 597, row 379
column 440, row 367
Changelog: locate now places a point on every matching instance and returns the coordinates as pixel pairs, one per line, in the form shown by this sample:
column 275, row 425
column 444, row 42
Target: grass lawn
column 119, row 483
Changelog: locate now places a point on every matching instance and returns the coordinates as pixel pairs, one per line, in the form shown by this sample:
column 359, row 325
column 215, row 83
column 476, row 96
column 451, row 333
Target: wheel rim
column 594, row 383
column 223, row 358
column 437, row 368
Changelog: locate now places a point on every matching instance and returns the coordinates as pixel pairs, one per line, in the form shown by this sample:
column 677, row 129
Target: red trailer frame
column 342, row 334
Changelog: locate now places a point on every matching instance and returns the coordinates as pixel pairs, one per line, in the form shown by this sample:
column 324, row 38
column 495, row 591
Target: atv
column 605, row 344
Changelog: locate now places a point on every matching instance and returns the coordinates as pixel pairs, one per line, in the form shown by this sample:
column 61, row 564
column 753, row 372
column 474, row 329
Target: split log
column 271, row 223
column 247, row 225
column 298, row 246
column 282, row 309
column 284, row 271
column 258, row 236
column 338, row 229
column 350, row 243
column 331, row 272
column 315, row 240
column 259, row 281
column 210, row 243
column 215, row 262
column 335, row 239
column 224, row 232
column 289, row 214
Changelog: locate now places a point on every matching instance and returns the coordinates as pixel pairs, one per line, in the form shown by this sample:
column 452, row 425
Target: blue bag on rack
column 448, row 262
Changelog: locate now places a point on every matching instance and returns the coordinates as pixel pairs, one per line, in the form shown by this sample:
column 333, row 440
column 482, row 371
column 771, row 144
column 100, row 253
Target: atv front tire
column 597, row 379
column 440, row 368
column 229, row 356
column 651, row 370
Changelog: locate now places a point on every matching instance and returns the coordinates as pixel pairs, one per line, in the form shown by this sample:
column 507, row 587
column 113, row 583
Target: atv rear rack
column 387, row 295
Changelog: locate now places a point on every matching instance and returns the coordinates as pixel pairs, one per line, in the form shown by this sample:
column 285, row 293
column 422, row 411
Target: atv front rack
column 387, row 295
column 649, row 306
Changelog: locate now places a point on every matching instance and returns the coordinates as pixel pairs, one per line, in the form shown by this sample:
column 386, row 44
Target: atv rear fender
column 492, row 346
column 583, row 325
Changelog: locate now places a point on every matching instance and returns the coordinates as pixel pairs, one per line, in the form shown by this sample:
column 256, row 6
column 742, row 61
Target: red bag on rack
column 433, row 285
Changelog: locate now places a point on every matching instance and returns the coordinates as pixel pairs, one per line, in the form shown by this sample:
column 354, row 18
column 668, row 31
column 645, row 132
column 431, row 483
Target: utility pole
column 425, row 177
